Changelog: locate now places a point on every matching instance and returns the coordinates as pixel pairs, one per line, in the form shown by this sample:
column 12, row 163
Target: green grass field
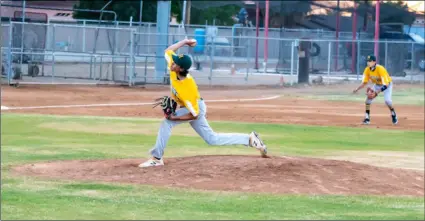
column 411, row 96
column 35, row 138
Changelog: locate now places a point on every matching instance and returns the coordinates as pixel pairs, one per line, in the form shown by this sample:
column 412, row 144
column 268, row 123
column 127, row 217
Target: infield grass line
column 135, row 104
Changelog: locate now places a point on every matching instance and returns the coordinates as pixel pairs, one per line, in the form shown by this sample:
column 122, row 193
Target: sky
column 416, row 5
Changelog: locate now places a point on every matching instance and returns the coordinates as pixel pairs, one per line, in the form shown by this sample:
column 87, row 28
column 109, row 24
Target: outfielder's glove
column 168, row 105
column 371, row 94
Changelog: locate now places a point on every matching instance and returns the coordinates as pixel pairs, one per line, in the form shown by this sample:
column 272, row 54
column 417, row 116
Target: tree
column 390, row 11
column 288, row 13
column 124, row 10
column 396, row 12
column 176, row 10
column 92, row 5
column 200, row 11
column 210, row 11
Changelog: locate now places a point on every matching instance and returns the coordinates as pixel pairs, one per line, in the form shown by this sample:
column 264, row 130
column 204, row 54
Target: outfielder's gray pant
column 387, row 94
column 201, row 126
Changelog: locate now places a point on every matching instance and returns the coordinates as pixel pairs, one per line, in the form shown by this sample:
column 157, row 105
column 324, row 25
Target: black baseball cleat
column 394, row 118
column 366, row 121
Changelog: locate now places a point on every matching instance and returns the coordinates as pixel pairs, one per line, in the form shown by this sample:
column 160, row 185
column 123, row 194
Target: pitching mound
column 279, row 175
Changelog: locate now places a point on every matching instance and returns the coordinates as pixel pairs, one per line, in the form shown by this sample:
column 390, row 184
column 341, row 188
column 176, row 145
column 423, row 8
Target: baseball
column 192, row 42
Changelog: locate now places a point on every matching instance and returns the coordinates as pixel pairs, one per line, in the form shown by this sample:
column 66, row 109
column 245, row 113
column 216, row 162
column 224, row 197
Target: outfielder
column 382, row 83
column 185, row 94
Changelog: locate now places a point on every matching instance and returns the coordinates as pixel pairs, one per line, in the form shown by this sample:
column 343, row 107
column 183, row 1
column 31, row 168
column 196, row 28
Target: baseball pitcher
column 193, row 110
column 382, row 83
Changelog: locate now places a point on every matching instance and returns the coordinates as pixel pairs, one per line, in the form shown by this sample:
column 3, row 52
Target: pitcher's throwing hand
column 192, row 42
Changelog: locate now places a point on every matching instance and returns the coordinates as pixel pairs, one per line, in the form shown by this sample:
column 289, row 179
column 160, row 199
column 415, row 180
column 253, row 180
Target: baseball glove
column 371, row 94
column 168, row 105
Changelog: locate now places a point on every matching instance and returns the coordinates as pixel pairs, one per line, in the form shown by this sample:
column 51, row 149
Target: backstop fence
column 110, row 53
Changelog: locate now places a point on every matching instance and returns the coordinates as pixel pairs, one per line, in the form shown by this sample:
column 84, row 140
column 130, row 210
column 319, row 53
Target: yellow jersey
column 378, row 76
column 184, row 92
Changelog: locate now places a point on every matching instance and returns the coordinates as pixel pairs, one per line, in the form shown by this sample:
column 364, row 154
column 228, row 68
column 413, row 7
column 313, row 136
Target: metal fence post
column 115, row 49
column 232, row 51
column 358, row 59
column 53, row 51
column 46, row 45
column 146, row 68
column 149, row 37
column 100, row 69
column 125, row 68
column 117, row 34
column 412, row 63
column 292, row 61
column 247, row 60
column 94, row 68
column 386, row 53
column 9, row 54
column 84, row 36
column 91, row 64
column 53, row 67
column 298, row 60
column 212, row 51
column 329, row 61
column 130, row 75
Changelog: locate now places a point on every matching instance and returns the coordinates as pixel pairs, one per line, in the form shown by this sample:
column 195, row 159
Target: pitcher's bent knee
column 389, row 102
column 211, row 140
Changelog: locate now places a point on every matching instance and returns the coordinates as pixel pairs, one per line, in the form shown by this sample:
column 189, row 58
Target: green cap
column 183, row 61
column 371, row 58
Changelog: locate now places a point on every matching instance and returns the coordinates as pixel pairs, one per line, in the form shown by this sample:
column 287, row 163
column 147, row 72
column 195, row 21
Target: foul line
column 130, row 104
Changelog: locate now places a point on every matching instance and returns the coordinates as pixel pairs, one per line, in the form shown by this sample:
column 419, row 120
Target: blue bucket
column 200, row 38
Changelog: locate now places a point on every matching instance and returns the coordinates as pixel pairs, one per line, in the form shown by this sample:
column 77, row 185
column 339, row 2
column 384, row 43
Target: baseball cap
column 182, row 60
column 371, row 58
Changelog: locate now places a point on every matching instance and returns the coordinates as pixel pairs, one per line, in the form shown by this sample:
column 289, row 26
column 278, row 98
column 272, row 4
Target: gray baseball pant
column 201, row 126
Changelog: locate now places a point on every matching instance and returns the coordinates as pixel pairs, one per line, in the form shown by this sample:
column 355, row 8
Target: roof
column 329, row 22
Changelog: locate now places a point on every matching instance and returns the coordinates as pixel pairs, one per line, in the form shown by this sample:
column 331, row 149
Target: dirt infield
column 278, row 175
column 235, row 173
column 287, row 109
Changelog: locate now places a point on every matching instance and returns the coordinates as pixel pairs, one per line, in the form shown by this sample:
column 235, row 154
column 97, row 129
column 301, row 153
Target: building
column 51, row 10
column 420, row 21
column 418, row 27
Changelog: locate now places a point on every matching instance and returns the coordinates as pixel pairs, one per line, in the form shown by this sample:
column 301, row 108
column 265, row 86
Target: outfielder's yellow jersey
column 184, row 92
column 378, row 76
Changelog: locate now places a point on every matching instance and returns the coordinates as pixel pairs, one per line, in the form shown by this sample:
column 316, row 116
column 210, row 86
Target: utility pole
column 140, row 14
column 188, row 6
column 184, row 12
column 162, row 25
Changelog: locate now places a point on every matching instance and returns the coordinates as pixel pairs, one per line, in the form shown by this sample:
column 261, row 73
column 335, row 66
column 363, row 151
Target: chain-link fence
column 89, row 53
column 64, row 53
